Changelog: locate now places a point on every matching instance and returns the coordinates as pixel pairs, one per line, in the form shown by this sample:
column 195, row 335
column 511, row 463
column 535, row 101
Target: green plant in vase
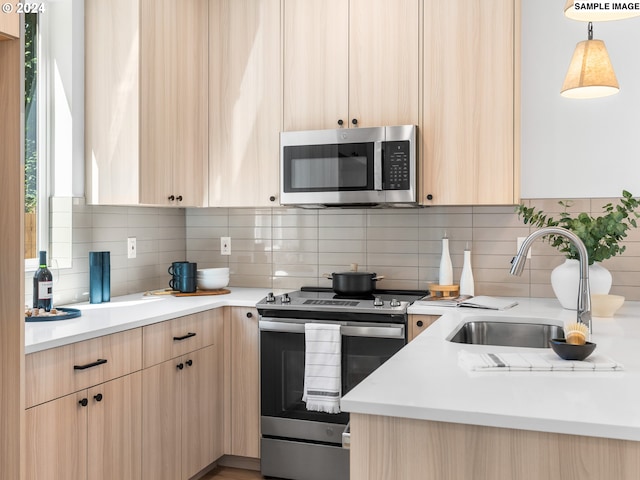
column 601, row 235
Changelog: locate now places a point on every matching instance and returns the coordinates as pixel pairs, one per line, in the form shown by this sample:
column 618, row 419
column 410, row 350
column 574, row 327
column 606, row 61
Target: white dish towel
column 322, row 382
column 534, row 362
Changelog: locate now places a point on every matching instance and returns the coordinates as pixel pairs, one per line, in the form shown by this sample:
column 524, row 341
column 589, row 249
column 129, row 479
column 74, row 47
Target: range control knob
column 394, row 302
column 271, row 298
column 377, row 302
column 285, row 298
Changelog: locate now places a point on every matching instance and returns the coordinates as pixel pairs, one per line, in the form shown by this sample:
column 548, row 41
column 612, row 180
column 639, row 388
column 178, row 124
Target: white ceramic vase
column 565, row 278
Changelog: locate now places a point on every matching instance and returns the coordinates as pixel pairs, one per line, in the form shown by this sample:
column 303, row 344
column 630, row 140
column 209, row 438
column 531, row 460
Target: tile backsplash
column 282, row 248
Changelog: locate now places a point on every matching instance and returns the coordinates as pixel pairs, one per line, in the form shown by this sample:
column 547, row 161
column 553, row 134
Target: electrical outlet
column 520, row 241
column 132, row 249
column 225, row 245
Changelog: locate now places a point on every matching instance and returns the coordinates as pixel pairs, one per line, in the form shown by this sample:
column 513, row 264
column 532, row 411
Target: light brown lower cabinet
column 411, row 449
column 181, row 416
column 242, row 383
column 419, row 323
column 91, row 434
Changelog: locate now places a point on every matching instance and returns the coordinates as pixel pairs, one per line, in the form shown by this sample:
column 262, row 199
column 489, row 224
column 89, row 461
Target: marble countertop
column 425, row 381
column 126, row 312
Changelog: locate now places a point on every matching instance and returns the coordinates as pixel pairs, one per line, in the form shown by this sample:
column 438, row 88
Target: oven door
column 364, row 348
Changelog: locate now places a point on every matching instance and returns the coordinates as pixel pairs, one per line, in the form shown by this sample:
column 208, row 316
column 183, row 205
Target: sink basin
column 510, row 332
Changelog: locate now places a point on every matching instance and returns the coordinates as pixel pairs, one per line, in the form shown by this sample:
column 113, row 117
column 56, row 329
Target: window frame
column 43, row 120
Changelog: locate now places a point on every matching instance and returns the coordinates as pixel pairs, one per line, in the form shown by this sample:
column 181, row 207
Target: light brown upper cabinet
column 146, row 109
column 470, row 129
column 245, row 102
column 350, row 63
column 9, row 24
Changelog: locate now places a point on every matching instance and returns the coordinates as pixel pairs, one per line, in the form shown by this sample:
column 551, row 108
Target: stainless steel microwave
column 342, row 167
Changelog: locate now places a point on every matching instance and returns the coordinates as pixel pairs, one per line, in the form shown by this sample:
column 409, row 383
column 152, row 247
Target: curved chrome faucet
column 584, row 297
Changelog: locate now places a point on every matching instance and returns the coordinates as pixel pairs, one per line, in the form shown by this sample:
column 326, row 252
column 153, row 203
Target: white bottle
column 446, row 269
column 466, row 279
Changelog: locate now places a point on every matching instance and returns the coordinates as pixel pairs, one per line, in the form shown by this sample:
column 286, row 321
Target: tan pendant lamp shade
column 590, row 73
column 605, row 11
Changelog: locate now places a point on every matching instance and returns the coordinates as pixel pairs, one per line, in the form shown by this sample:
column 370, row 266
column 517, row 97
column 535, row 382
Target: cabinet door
column 114, row 429
column 201, row 410
column 111, row 131
column 419, row 323
column 245, row 103
column 56, row 439
column 173, row 102
column 469, row 151
column 161, row 421
column 384, row 62
column 243, row 384
column 316, row 63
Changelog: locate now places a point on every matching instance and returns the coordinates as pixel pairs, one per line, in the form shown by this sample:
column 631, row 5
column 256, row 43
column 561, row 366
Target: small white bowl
column 213, row 272
column 605, row 305
column 213, row 283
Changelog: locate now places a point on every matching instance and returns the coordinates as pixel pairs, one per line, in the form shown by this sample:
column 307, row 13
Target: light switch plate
column 132, row 249
column 225, row 245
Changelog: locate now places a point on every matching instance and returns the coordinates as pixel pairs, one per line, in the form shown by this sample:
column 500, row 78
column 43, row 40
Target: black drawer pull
column 84, row 402
column 98, row 397
column 419, row 323
column 100, row 361
column 189, row 363
column 180, row 366
column 184, row 337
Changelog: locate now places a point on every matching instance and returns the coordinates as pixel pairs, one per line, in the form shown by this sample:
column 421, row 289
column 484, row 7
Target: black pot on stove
column 353, row 283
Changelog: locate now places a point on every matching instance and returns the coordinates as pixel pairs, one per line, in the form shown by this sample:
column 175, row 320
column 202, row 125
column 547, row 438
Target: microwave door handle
column 377, row 165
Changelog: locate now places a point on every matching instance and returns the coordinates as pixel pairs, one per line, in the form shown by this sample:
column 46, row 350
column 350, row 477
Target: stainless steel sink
column 517, row 332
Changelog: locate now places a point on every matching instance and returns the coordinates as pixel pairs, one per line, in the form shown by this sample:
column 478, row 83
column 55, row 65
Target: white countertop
column 126, row 312
column 424, row 380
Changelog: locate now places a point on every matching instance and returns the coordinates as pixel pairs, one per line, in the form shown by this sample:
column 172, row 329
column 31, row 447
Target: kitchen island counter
column 127, row 312
column 424, row 380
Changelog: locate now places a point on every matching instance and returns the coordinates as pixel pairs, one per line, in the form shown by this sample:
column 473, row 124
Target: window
column 31, row 204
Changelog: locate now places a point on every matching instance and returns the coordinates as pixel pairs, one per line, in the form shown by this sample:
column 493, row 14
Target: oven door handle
column 395, row 331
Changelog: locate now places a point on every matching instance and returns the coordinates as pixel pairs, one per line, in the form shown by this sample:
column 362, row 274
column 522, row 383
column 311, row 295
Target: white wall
column 577, row 148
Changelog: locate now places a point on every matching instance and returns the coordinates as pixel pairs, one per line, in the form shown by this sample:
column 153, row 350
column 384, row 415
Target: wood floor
column 228, row 473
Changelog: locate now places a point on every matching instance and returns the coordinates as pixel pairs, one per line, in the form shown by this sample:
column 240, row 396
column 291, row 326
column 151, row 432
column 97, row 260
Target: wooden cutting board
column 198, row 293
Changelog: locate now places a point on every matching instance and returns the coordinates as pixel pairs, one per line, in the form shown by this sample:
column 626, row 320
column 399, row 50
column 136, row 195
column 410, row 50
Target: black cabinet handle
column 98, row 397
column 340, row 122
column 419, row 323
column 189, row 363
column 429, row 197
column 249, row 314
column 180, row 366
column 171, row 198
column 354, row 121
column 179, row 198
column 100, row 361
column 272, row 198
column 184, row 337
column 84, row 402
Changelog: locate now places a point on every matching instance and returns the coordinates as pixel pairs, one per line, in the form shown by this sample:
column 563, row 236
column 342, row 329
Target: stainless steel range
column 302, row 444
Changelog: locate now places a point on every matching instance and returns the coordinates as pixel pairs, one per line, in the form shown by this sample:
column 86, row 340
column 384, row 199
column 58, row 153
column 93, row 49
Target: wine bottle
column 43, row 285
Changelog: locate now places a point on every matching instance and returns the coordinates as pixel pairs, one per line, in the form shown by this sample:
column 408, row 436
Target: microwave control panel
column 395, row 165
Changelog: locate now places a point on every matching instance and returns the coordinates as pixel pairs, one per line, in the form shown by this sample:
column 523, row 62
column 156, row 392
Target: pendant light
column 590, row 73
column 600, row 12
